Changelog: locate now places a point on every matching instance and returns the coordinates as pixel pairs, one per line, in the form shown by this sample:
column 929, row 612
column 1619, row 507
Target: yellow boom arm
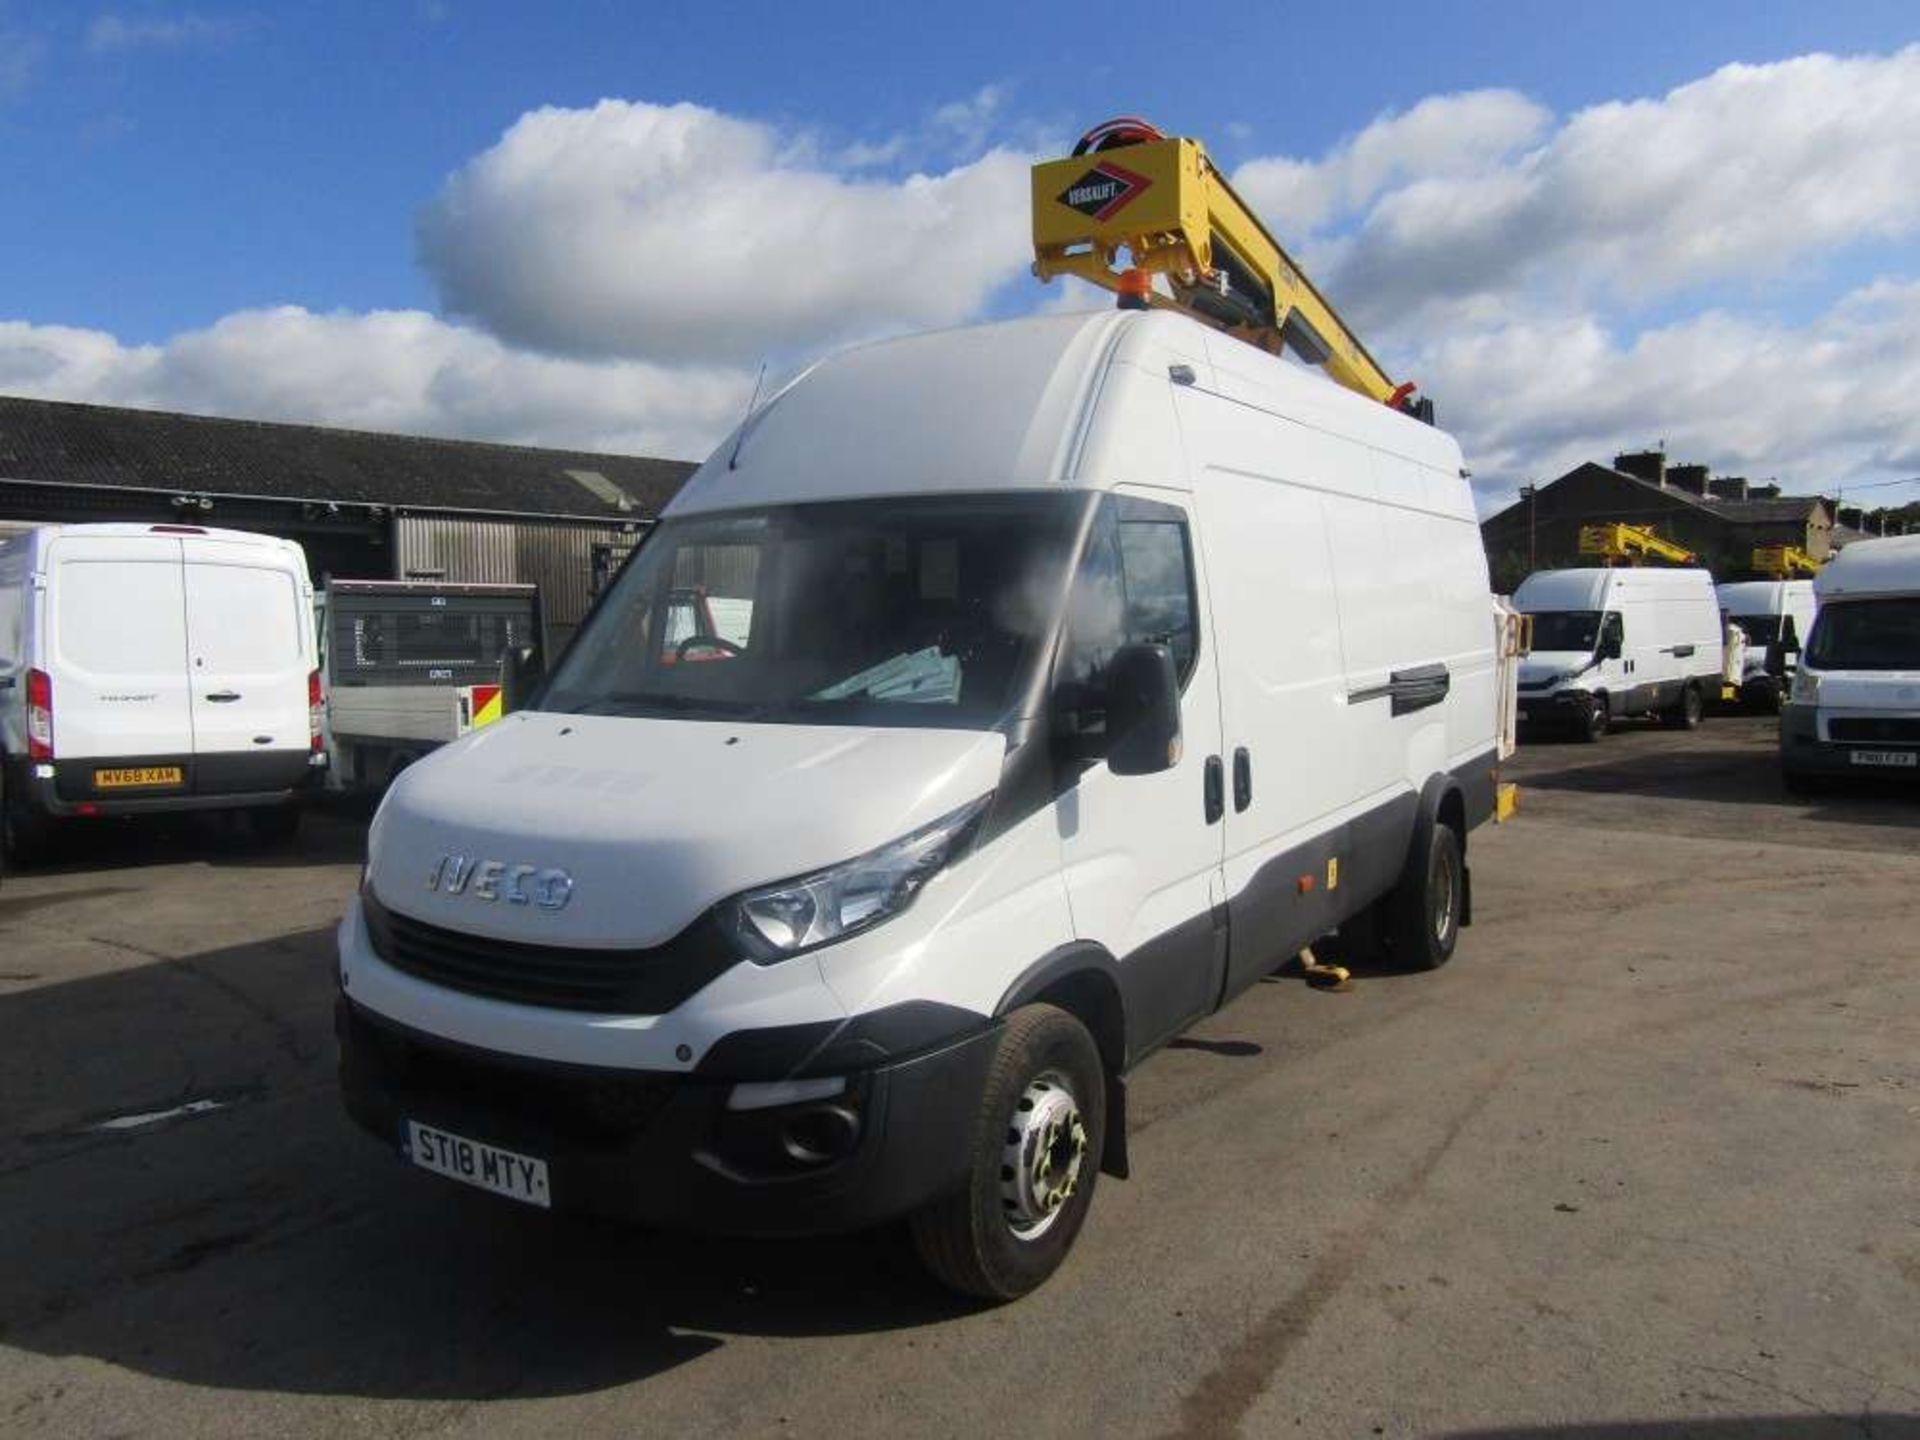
column 1161, row 199
column 1631, row 543
column 1783, row 562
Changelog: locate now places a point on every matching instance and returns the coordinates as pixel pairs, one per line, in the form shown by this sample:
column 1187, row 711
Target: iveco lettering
column 993, row 705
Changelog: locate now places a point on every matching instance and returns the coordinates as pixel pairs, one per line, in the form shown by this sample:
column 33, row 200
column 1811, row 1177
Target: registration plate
column 486, row 1167
column 1902, row 758
column 137, row 776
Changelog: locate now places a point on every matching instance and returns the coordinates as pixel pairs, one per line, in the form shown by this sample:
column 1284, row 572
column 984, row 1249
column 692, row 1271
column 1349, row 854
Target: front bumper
column 1803, row 752
column 662, row 1148
column 1555, row 707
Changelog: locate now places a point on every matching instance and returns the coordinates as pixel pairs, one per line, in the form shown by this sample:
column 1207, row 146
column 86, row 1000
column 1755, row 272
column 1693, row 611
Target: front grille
column 647, row 981
column 1882, row 729
column 585, row 1104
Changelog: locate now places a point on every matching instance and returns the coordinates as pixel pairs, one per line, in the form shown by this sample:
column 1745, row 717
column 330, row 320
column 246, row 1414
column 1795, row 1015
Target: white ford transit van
column 1616, row 642
column 1777, row 617
column 153, row 667
column 1854, row 707
column 1082, row 670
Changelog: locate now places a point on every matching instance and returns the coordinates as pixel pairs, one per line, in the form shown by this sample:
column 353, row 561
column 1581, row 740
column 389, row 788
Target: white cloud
column 110, row 32
column 1814, row 405
column 1443, row 136
column 385, row 370
column 1734, row 177
column 683, row 235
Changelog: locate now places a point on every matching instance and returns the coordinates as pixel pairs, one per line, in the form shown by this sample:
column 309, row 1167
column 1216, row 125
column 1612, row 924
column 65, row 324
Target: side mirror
column 1609, row 647
column 1143, row 710
column 521, row 675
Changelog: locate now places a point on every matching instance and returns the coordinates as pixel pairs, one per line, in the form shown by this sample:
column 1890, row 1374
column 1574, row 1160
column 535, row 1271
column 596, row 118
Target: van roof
column 1890, row 566
column 1761, row 597
column 41, row 534
column 1005, row 406
column 1583, row 588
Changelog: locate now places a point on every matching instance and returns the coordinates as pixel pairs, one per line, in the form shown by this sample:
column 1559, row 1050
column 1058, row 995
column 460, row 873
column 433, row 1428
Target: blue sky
column 183, row 165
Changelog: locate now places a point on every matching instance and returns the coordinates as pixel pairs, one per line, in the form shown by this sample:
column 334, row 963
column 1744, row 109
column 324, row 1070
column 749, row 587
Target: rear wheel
column 1687, row 710
column 26, row 836
column 1037, row 1137
column 1423, row 913
column 274, row 825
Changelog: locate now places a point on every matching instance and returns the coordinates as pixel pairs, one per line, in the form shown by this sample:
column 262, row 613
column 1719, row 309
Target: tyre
column 1423, row 912
column 1801, row 782
column 1598, row 717
column 1760, row 697
column 1037, row 1138
column 26, row 836
column 1685, row 712
column 274, row 825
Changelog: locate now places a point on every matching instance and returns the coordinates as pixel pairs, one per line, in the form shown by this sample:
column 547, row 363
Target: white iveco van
column 1854, row 708
column 1081, row 670
column 153, row 667
column 1616, row 642
column 1776, row 616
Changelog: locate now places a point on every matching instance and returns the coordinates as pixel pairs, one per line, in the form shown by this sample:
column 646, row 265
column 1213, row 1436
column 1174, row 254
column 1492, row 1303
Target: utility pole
column 1533, row 562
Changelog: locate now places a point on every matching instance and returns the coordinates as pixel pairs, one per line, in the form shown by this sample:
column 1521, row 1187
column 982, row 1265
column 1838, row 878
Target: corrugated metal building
column 365, row 506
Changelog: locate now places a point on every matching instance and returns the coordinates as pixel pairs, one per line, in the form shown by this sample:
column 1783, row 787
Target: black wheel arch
column 1083, row 979
column 1443, row 801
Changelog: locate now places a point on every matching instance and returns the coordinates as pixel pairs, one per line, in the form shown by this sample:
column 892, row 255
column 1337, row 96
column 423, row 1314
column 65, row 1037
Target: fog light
column 821, row 1133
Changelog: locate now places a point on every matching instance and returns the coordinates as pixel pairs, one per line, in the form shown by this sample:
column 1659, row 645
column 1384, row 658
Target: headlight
column 1806, row 687
column 795, row 915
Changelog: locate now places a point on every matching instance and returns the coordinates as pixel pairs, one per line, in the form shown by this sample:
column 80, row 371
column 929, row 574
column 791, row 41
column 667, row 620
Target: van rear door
column 116, row 647
column 248, row 656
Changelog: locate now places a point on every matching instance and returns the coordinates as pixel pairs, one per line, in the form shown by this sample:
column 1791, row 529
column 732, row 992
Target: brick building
column 1721, row 519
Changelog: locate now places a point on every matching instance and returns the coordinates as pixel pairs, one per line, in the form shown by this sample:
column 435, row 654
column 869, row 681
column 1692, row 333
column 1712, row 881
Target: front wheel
column 1597, row 719
column 1037, row 1137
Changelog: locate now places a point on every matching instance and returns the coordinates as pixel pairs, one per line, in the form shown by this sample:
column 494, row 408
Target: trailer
column 408, row 665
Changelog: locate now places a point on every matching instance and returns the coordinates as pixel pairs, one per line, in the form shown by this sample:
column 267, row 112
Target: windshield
column 1759, row 629
column 1575, row 630
column 922, row 610
column 1867, row 635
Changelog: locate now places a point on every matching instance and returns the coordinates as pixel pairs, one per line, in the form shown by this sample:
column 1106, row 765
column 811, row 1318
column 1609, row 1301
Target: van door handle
column 1216, row 788
column 1242, row 779
column 224, row 697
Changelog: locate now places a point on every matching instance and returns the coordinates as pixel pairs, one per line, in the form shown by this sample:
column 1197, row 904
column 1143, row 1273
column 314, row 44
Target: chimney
column 1690, row 478
column 1849, row 516
column 1648, row 465
column 1728, row 487
column 1763, row 492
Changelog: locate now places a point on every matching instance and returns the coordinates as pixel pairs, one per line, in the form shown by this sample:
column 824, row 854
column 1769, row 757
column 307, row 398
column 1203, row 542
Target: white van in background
column 1776, row 616
column 1622, row 641
column 1854, row 707
column 1080, row 671
column 153, row 667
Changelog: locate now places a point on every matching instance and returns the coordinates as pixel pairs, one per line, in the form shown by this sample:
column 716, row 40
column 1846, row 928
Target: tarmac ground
column 1643, row 1161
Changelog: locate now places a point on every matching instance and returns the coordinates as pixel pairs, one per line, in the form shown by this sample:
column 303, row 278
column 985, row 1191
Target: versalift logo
column 1103, row 191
